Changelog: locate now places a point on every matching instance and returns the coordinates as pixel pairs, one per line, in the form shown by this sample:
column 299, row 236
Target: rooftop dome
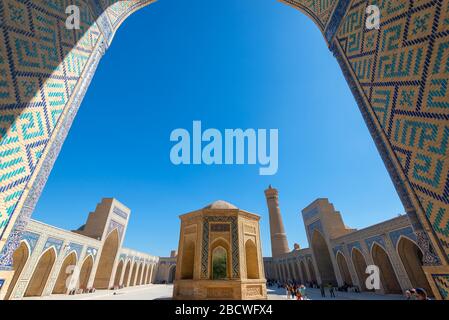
column 220, row 204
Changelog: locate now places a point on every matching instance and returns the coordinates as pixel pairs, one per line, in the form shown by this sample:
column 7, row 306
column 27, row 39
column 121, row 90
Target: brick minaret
column 279, row 244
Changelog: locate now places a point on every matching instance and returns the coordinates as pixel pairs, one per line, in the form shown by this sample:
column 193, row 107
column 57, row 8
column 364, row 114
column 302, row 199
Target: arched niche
column 344, row 270
column 85, row 272
column 66, row 271
column 358, row 260
column 323, row 259
column 252, row 260
column 388, row 277
column 412, row 257
column 188, row 260
column 20, row 257
column 42, row 271
column 107, row 259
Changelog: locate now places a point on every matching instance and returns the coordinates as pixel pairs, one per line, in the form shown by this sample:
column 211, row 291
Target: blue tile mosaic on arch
column 408, row 232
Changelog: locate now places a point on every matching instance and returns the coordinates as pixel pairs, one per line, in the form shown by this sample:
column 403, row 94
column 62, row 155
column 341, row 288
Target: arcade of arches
column 48, row 258
column 403, row 103
column 339, row 256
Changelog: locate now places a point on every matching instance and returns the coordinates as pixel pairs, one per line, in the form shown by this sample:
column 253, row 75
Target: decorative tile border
column 234, row 245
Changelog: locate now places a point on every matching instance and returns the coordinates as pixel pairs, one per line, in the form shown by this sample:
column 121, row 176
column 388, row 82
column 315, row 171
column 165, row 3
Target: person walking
column 323, row 293
column 331, row 291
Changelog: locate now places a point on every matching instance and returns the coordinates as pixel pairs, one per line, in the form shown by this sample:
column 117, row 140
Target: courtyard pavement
column 164, row 292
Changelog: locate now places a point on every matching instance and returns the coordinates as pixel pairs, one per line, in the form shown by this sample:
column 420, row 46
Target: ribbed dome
column 220, row 204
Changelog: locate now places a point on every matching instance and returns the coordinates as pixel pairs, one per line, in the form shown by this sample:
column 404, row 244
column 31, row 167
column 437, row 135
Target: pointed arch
column 42, row 271
column 132, row 280
column 118, row 273
column 139, row 275
column 19, row 259
column 323, row 259
column 65, row 272
column 188, row 260
column 252, row 260
column 411, row 258
column 107, row 259
column 145, row 274
column 359, row 262
column 305, row 275
column 344, row 269
column 126, row 275
column 312, row 271
column 85, row 272
column 172, row 274
column 387, row 275
column 220, row 260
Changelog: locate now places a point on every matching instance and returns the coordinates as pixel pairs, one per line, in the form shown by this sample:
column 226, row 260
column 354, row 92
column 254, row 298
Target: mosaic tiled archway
column 398, row 74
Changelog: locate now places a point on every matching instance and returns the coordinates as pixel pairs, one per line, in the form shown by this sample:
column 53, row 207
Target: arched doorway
column 39, row 279
column 150, row 273
column 126, row 275
column 188, row 260
column 118, row 274
column 387, row 275
column 312, row 271
column 219, row 263
column 64, row 273
column 220, row 260
column 323, row 259
column 252, row 262
column 172, row 274
column 139, row 275
column 145, row 274
column 344, row 270
column 411, row 257
column 85, row 272
column 360, row 267
column 19, row 260
column 132, row 280
column 107, row 259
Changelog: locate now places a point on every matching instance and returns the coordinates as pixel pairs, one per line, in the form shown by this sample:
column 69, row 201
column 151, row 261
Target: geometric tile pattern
column 41, row 63
column 53, row 242
column 92, row 251
column 315, row 226
column 399, row 75
column 319, row 11
column 442, row 282
column 406, row 232
column 356, row 245
column 338, row 248
column 31, row 238
column 403, row 71
column 376, row 239
column 78, row 248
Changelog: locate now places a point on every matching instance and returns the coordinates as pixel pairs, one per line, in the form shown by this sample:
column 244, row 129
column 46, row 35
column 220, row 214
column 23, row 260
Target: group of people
column 296, row 291
column 416, row 294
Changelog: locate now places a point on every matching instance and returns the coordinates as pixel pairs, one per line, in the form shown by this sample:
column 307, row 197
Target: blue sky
column 231, row 64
